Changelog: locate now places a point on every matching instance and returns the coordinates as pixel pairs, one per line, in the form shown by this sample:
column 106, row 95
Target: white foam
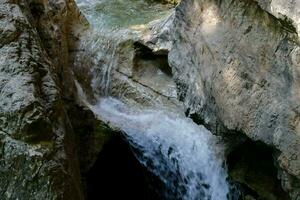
column 186, row 157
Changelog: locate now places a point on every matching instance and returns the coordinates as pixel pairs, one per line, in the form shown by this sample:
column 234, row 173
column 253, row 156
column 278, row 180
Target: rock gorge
column 230, row 65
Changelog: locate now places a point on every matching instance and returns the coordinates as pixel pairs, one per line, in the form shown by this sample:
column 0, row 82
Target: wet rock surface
column 114, row 53
column 233, row 64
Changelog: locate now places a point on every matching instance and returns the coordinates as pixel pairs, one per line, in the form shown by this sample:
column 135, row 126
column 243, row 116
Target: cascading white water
column 186, row 157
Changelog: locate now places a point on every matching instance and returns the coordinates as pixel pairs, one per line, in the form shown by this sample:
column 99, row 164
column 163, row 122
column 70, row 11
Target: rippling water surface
column 116, row 14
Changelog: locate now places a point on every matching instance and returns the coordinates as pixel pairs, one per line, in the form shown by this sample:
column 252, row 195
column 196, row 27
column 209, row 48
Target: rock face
column 237, row 70
column 38, row 158
column 48, row 140
column 288, row 10
column 235, row 65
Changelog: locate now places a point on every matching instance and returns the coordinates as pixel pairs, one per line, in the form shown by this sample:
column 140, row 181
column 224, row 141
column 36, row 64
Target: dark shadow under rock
column 251, row 166
column 117, row 174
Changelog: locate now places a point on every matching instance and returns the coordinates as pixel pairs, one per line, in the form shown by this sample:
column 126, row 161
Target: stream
column 186, row 157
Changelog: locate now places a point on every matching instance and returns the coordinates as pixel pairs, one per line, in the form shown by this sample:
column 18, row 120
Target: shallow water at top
column 118, row 14
column 111, row 23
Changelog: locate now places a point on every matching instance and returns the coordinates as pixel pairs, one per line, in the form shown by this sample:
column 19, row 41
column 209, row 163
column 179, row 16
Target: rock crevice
column 38, row 158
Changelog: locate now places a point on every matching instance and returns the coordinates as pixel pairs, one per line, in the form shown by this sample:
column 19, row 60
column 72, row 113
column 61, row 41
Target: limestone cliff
column 236, row 66
column 232, row 64
column 37, row 158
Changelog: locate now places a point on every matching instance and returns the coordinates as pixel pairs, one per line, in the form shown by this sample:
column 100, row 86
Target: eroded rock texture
column 235, row 64
column 237, row 70
column 287, row 10
column 37, row 157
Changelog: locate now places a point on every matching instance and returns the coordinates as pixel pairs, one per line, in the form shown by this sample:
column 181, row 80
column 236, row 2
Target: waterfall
column 186, row 157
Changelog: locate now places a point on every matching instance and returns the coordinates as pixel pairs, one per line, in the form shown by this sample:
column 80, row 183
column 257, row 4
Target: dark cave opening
column 117, row 174
column 145, row 54
column 251, row 168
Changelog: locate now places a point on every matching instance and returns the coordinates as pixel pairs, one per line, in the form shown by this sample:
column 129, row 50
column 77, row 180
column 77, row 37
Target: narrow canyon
column 150, row 99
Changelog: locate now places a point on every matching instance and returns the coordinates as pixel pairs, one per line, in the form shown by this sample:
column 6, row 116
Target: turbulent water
column 185, row 156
